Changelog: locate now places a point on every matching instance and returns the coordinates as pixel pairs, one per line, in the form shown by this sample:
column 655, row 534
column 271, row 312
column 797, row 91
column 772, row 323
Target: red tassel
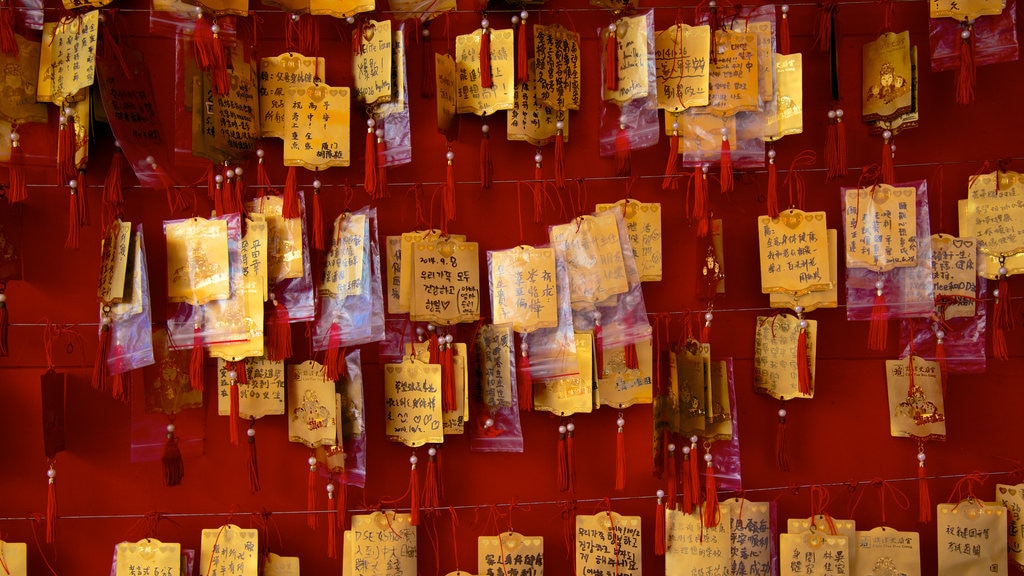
column 233, row 413
column 5, row 322
column 784, row 30
column 370, row 168
column 74, row 217
column 218, row 194
column 966, row 74
column 332, row 534
column 611, row 60
column 279, row 334
column 382, row 165
column 113, row 188
column 254, row 463
column 311, row 493
column 318, row 219
column 711, row 515
column 924, row 500
column 620, row 455
column 290, row 209
column 263, row 185
column 83, row 198
column 340, row 500
column 780, row 442
column 713, row 24
column 841, row 143
column 700, row 199
column 659, row 526
column 563, row 460
column 560, row 156
column 694, row 473
column 631, row 359
column 427, row 73
column 673, row 477
column 524, row 380
column 414, row 492
column 486, row 81
column 878, row 330
column 431, row 484
column 570, row 455
column 671, row 181
column 8, row 42
column 726, row 164
column 449, row 189
column 120, row 388
column 538, row 169
column 16, row 166
column 888, row 159
column 835, row 145
column 773, row 185
column 486, row 164
column 940, row 355
column 688, row 487
column 705, row 329
column 171, row 461
column 1003, row 319
column 334, row 358
column 521, row 62
column 51, row 505
column 599, row 347
column 449, row 399
column 195, row 364
column 67, row 148
column 623, row 164
column 99, row 367
column 209, row 53
column 803, row 368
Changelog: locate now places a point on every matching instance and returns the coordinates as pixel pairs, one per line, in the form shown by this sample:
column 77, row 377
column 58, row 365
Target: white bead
column 611, row 27
column 538, row 157
column 379, row 133
column 725, row 133
column 215, row 29
column 413, row 460
column 259, row 153
column 51, row 473
column 798, row 309
column 311, row 461
column 489, row 423
column 73, row 183
column 370, row 122
column 785, row 8
column 62, row 119
column 485, row 128
column 199, row 11
column 448, row 338
column 803, row 324
column 219, row 179
column 693, row 439
column 839, row 112
column 560, row 125
column 879, row 284
column 515, row 20
column 570, row 427
column 892, row 148
column 170, row 428
column 675, row 126
column 105, row 321
column 708, row 458
column 295, row 17
column 660, row 494
column 721, row 49
column 524, row 15
column 316, row 184
column 3, row 298
column 330, row 489
column 229, row 174
column 431, row 451
column 620, row 422
column 887, row 134
column 708, row 316
column 771, row 154
column 350, row 20
column 704, row 168
column 939, row 335
column 562, row 429
column 232, row 375
column 921, row 457
column 686, row 450
column 15, row 136
column 782, row 412
column 965, row 33
column 832, row 114
column 450, row 155
column 671, row 447
column 995, row 293
column 1002, row 270
column 426, row 32
column 712, row 4
column 485, row 23
column 69, row 112
column 238, row 171
column 251, row 432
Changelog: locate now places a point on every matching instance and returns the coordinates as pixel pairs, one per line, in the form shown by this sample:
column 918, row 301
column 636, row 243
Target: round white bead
column 485, row 23
column 3, row 297
column 51, row 473
column 803, row 324
column 370, row 122
column 771, row 154
column 782, row 412
column 413, row 460
column 887, row 134
column 708, row 458
column 251, row 432
column 620, row 422
column 538, row 157
column 350, row 20
column 921, row 457
column 219, row 179
column 693, row 439
column 686, row 450
column 426, row 32
column 317, row 184
column 15, row 136
column 450, row 155
column 524, row 15
column 839, row 112
column 379, row 133
column 879, row 285
column 259, row 153
column 570, row 427
column 232, row 375
column 330, row 489
column 798, row 309
column 311, row 461
column 965, row 33
column 295, row 17
column 229, row 174
column 170, row 428
column 995, row 293
column 708, row 316
column 431, row 451
column 611, row 27
column 660, row 494
column 831, row 114
column 238, row 171
column 215, row 29
column 939, row 335
column 515, row 20
column 1002, row 270
column 485, row 128
column 489, row 423
column 73, row 183
column 785, row 8
column 562, row 429
column 560, row 125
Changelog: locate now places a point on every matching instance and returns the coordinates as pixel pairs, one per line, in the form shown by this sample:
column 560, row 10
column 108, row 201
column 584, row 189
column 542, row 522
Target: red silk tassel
column 370, row 165
column 524, row 380
column 700, row 199
column 835, row 145
column 263, row 185
column 705, row 329
column 780, row 442
column 623, row 163
column 8, row 42
column 486, row 81
column 5, row 322
column 967, row 73
column 195, row 364
column 254, row 463
column 16, row 167
column 67, row 148
column 290, row 209
column 318, row 220
column 486, row 164
column 940, row 356
column 673, row 477
column 1003, row 320
column 784, row 30
column 570, row 455
column 888, row 160
column 563, row 460
column 332, row 523
column 233, row 412
column 431, row 483
column 688, row 487
column 713, row 24
column 414, row 492
column 924, row 500
column 279, row 334
column 449, row 400
column 340, row 502
column 74, row 219
column 83, row 198
column 711, row 515
column 120, row 388
column 659, row 526
column 171, row 461
column 803, row 368
column 632, row 360
column 311, row 493
column 209, row 52
column 449, row 189
column 334, row 357
column 611, row 60
column 382, row 165
column 99, row 367
column 878, row 330
column 113, row 187
column 560, row 156
column 841, row 143
column 599, row 348
column 670, row 181
column 51, row 505
column 726, row 165
column 522, row 68
column 694, row 473
column 773, row 185
column 620, row 455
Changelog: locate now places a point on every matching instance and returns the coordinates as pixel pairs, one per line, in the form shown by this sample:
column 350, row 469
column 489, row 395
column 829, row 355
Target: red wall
column 839, row 439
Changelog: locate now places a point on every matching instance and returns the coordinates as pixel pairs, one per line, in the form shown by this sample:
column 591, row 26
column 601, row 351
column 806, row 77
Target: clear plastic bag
column 963, row 341
column 995, row 39
column 393, row 118
column 727, row 452
column 131, row 337
column 357, row 318
column 908, row 290
column 496, row 426
column 639, row 116
column 552, row 351
column 297, row 294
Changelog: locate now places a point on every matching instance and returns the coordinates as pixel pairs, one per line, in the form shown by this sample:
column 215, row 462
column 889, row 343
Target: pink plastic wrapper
column 908, row 291
column 963, row 340
column 553, row 350
column 640, row 115
column 297, row 294
column 496, row 428
column 995, row 39
column 131, row 337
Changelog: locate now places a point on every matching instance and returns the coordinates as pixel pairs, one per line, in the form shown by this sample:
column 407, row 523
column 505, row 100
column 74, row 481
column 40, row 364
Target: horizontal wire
column 793, row 488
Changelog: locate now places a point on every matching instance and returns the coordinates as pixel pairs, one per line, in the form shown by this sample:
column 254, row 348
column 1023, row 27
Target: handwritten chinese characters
column 814, row 553
column 346, row 267
column 682, row 56
column 794, row 252
column 148, row 556
column 995, row 213
column 114, row 262
column 955, row 275
column 471, row 96
column 693, row 549
column 557, row 67
column 260, row 393
column 229, row 551
column 593, row 254
column 446, row 82
column 372, row 62
column 68, row 57
column 1012, row 498
column 734, row 74
column 608, row 544
column 510, row 554
column 380, row 544
column 523, row 288
column 750, row 525
column 643, row 227
column 972, row 538
column 495, row 345
column 881, row 227
column 962, row 10
column 318, row 123
column 530, row 119
column 278, row 74
column 412, row 403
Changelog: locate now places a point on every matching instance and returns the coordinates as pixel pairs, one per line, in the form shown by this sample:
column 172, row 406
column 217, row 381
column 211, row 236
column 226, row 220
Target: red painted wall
column 839, row 439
